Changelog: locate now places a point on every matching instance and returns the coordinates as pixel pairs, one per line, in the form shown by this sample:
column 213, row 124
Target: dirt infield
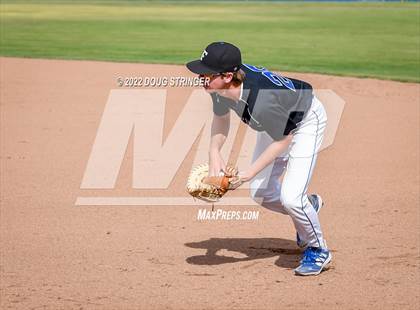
column 55, row 255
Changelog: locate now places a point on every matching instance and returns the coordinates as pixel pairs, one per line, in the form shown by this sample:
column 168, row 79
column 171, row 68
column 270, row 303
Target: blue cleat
column 313, row 262
column 317, row 204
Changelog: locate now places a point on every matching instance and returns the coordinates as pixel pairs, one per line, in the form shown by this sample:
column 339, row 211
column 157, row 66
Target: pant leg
column 265, row 186
column 302, row 158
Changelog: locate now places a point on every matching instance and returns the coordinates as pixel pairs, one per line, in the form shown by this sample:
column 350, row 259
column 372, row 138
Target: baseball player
column 290, row 123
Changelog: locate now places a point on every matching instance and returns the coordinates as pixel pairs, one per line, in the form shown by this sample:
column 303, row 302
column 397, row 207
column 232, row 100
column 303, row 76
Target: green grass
column 379, row 40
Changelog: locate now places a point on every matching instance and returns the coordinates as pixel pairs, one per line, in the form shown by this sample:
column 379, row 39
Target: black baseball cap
column 217, row 57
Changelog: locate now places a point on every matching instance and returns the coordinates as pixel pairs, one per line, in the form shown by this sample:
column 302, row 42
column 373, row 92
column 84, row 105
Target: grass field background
column 359, row 39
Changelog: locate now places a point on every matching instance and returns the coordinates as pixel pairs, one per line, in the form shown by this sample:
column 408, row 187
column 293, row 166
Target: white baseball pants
column 297, row 163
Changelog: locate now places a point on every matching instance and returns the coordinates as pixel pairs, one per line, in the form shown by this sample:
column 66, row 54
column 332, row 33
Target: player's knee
column 269, row 191
column 291, row 201
column 266, row 199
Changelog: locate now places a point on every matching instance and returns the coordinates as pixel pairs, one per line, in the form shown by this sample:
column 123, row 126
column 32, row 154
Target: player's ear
column 228, row 77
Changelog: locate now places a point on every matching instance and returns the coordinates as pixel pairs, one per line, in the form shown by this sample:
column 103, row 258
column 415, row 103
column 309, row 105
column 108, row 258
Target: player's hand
column 216, row 164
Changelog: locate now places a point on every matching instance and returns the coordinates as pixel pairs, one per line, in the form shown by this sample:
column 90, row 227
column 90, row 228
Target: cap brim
column 198, row 67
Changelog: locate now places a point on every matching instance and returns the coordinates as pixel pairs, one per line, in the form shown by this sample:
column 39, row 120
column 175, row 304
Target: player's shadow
column 243, row 249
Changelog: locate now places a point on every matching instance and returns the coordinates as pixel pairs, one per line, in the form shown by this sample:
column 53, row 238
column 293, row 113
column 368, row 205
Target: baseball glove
column 211, row 189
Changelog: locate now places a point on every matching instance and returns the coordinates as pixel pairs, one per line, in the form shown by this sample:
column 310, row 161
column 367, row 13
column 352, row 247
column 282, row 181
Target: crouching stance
column 290, row 123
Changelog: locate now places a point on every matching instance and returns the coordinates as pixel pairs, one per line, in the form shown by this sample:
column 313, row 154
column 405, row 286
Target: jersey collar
column 245, row 89
column 242, row 92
